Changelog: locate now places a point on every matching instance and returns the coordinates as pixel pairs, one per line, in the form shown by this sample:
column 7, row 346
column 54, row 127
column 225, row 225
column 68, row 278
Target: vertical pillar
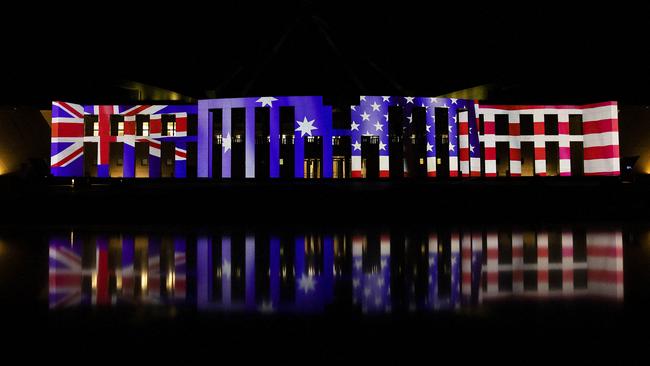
column 564, row 143
column 299, row 155
column 539, row 142
column 489, row 142
column 226, row 151
column 274, row 143
column 155, row 130
column 600, row 130
column 477, row 265
column 463, row 142
column 274, row 268
column 104, row 115
column 474, row 141
column 153, row 268
column 249, row 155
column 453, row 142
column 128, row 157
column 431, row 140
column 605, row 263
column 326, row 135
column 357, row 269
column 455, row 270
column 180, row 160
column 515, row 144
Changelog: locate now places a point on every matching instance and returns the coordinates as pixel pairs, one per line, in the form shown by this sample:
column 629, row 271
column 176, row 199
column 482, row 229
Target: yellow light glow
column 143, row 281
column 93, row 280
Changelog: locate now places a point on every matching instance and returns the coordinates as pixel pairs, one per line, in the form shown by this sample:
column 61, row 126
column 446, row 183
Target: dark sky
column 550, row 52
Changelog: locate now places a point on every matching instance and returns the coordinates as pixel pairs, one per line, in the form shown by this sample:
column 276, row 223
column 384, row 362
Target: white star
column 362, row 98
column 471, row 148
column 226, row 142
column 353, row 107
column 375, row 106
column 410, row 118
column 470, row 130
column 433, row 100
column 454, row 100
column 307, row 283
column 305, row 127
column 354, row 126
column 425, row 106
column 386, row 116
column 428, row 127
column 383, row 263
column 451, row 147
column 380, row 282
column 429, row 147
column 356, row 145
column 385, row 99
column 453, row 261
column 365, row 116
column 450, row 128
column 378, row 126
column 409, row 100
column 454, row 118
column 225, row 269
column 367, row 133
column 377, row 300
column 382, row 146
column 266, row 101
column 367, row 291
column 356, row 283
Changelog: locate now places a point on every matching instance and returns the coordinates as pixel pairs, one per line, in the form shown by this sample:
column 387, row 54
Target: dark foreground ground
column 294, row 202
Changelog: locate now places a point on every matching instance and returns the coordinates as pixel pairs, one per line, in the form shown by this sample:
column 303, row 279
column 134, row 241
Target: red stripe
column 65, row 129
column 542, row 252
column 542, row 276
column 594, row 251
column 515, row 154
column 565, row 152
column 69, row 157
column 70, row 110
column 616, row 173
column 431, row 174
column 137, row 110
column 64, row 280
column 563, row 128
column 129, row 128
column 603, row 275
column 538, row 128
column 181, row 154
column 490, row 153
column 488, row 127
column 513, row 129
column 518, row 107
column 356, row 174
column 102, row 277
column 154, row 144
column 601, row 152
column 600, row 126
column 540, row 153
column 383, row 173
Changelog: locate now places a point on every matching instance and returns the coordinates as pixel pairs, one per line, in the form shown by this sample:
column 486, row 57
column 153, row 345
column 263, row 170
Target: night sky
column 549, row 53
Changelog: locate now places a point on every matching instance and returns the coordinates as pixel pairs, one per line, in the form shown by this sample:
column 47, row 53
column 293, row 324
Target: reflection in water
column 373, row 271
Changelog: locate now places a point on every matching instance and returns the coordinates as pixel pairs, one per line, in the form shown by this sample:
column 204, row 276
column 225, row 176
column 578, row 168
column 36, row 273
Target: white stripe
column 383, row 162
column 601, row 139
column 600, row 113
column 65, row 153
column 67, row 120
column 602, row 165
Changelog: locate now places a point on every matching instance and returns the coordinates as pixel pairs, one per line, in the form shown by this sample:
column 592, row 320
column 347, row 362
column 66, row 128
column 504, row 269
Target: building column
column 128, row 156
column 249, row 141
column 463, row 142
column 433, row 271
column 466, row 267
column 180, row 268
column 155, row 131
column 539, row 139
column 226, row 134
column 326, row 135
column 474, row 141
column 274, row 143
column 453, row 140
column 564, row 143
column 600, row 131
column 127, row 273
column 515, row 144
column 492, row 267
column 250, row 270
column 203, row 271
column 489, row 143
column 180, row 160
column 517, row 262
column 100, row 275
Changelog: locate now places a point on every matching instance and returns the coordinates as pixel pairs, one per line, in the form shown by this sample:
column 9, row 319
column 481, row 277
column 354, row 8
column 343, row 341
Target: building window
column 145, row 128
column 550, row 124
column 117, row 125
column 480, row 124
column 575, row 124
column 91, row 125
column 501, row 124
column 171, row 128
column 526, row 125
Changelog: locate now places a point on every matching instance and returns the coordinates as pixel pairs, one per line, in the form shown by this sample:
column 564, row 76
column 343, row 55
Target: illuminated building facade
column 300, row 137
column 372, row 271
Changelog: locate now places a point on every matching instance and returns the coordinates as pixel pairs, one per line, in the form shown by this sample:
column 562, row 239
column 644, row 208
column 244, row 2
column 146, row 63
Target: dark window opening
column 575, row 124
column 501, row 125
column 550, row 124
column 526, row 125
